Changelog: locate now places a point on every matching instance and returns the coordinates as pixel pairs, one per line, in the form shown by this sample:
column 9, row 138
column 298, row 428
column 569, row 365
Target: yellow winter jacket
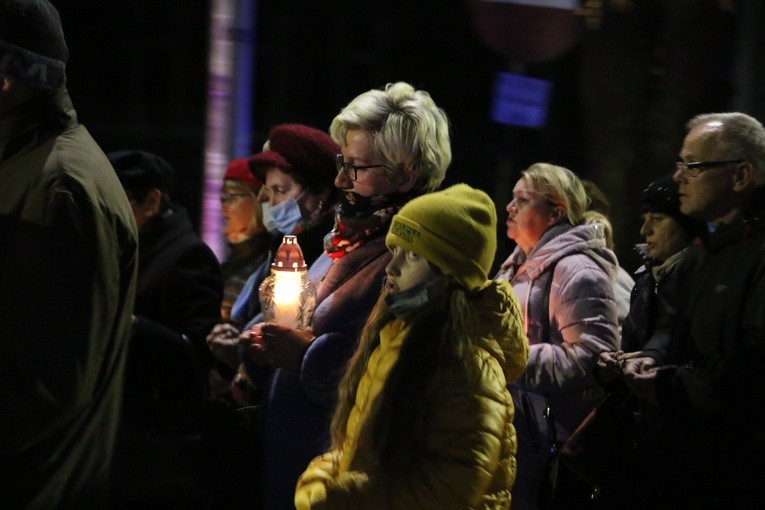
column 470, row 461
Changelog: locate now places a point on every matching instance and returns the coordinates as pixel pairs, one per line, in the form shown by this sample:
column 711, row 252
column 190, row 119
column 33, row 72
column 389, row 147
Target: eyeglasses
column 230, row 198
column 351, row 169
column 695, row 168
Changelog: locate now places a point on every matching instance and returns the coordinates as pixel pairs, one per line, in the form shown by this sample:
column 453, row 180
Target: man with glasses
column 703, row 370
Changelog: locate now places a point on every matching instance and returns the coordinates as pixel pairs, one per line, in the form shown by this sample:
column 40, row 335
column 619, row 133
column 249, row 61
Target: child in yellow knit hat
column 424, row 419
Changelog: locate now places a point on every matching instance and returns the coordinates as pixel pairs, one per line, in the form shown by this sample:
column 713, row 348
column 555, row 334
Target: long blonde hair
column 438, row 336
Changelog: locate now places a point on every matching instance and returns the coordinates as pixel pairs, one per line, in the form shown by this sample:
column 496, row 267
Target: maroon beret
column 303, row 152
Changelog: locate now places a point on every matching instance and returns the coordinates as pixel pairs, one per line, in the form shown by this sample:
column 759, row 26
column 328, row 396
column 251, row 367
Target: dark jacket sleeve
column 192, row 290
column 717, row 345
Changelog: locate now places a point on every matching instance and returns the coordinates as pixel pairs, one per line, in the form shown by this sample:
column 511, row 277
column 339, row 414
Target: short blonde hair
column 409, row 131
column 560, row 186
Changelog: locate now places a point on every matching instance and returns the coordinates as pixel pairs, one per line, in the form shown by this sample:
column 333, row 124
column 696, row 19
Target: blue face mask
column 408, row 303
column 282, row 218
column 268, row 220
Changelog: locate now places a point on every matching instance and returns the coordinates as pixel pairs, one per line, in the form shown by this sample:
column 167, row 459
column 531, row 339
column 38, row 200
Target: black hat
column 32, row 46
column 662, row 196
column 139, row 170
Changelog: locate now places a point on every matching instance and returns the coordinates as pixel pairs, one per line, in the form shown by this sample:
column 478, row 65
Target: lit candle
column 287, row 289
column 287, row 296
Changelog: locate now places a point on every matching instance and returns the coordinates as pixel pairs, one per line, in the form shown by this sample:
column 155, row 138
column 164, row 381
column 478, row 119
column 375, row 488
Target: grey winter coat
column 582, row 317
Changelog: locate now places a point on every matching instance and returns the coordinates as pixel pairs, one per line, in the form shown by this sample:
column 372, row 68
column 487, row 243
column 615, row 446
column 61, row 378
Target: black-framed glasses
column 351, row 169
column 230, row 198
column 695, row 168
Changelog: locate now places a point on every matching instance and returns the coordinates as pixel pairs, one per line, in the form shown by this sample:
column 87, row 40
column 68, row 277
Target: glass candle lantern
column 287, row 296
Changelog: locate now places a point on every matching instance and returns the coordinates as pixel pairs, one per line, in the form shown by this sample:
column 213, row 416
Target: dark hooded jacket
column 68, row 262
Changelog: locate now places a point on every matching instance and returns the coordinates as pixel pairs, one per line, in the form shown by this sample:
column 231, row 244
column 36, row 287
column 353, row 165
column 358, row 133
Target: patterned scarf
column 359, row 217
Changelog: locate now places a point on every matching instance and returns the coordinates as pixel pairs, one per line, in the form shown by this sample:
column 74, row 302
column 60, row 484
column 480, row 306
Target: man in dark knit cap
column 67, row 278
column 178, row 297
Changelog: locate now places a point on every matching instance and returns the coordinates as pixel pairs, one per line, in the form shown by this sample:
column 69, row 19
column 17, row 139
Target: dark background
column 137, row 75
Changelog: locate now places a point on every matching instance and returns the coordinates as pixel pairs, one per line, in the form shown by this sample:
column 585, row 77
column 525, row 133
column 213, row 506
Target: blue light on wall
column 520, row 100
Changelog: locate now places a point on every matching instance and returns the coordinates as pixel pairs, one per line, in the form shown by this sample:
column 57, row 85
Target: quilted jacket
column 581, row 316
column 469, row 459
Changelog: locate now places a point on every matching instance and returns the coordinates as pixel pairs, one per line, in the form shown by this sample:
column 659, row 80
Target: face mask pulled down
column 408, row 303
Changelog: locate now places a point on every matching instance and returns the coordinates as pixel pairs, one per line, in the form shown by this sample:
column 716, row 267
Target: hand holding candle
column 279, row 346
column 287, row 299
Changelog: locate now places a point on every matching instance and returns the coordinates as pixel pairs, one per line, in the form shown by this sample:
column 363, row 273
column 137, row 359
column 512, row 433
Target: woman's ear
column 318, row 203
column 557, row 215
column 408, row 180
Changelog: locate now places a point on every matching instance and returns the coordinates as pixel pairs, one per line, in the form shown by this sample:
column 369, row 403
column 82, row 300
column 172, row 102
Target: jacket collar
column 750, row 219
column 34, row 122
column 559, row 242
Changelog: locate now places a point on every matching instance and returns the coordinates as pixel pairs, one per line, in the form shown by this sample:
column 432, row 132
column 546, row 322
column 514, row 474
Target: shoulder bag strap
column 544, row 330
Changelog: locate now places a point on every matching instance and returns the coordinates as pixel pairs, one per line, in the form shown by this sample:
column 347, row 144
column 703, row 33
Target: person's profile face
column 406, row 269
column 239, row 208
column 709, row 195
column 663, row 235
column 281, row 186
column 529, row 215
column 370, row 181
